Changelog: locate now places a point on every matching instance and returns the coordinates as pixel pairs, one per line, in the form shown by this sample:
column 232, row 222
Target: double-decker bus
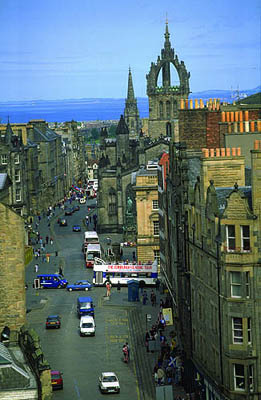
column 147, row 274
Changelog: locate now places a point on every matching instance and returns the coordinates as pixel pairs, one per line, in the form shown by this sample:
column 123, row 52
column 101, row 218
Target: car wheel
column 59, row 286
column 70, row 289
column 86, row 289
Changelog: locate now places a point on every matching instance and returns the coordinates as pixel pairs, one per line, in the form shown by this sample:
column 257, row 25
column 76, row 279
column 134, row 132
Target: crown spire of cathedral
column 167, row 44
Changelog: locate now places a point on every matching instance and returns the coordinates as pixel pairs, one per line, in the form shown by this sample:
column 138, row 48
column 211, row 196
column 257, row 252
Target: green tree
column 112, row 130
column 95, row 133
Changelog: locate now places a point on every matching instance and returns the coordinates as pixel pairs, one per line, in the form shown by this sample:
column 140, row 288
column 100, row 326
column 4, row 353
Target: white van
column 87, row 326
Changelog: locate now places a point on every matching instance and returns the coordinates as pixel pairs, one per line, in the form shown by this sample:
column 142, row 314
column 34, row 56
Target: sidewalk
column 141, row 319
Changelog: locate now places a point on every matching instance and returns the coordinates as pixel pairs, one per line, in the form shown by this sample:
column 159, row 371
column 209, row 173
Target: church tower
column 131, row 112
column 163, row 96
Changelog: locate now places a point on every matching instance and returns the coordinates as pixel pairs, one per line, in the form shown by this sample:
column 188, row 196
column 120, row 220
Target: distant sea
column 92, row 109
column 66, row 110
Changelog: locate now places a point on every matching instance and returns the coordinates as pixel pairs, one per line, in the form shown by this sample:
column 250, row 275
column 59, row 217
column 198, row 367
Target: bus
column 93, row 250
column 147, row 274
column 89, row 237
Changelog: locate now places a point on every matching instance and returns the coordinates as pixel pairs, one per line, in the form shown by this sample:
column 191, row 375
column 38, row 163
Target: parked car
column 76, row 228
column 53, row 321
column 76, row 208
column 109, row 383
column 69, row 211
column 57, row 379
column 79, row 285
column 63, row 222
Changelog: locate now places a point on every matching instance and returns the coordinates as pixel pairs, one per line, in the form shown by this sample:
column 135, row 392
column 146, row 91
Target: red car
column 57, row 380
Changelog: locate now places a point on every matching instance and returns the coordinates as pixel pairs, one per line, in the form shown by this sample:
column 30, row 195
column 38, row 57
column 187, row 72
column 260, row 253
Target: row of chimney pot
column 223, row 152
column 228, row 152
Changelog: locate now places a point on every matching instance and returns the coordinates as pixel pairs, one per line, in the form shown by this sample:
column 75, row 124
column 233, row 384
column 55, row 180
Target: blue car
column 76, row 228
column 79, row 285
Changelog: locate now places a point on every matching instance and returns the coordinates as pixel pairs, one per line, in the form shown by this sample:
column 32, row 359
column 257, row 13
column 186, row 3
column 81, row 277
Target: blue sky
column 59, row 49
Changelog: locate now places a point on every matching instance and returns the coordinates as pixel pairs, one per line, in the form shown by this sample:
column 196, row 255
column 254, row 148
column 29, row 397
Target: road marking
column 77, row 389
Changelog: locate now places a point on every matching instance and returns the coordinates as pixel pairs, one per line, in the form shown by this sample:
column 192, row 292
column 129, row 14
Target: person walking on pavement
column 36, row 267
column 144, row 298
column 51, row 241
column 61, row 271
column 108, row 288
column 153, row 298
column 47, row 239
column 118, row 286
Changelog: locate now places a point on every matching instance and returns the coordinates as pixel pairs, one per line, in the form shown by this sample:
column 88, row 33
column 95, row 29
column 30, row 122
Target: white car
column 82, row 201
column 109, row 383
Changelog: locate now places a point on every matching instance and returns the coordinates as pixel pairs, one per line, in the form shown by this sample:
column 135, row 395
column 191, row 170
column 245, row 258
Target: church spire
column 8, row 132
column 130, row 95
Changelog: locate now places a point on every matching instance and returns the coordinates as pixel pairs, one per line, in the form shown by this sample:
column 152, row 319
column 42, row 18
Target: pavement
column 141, row 317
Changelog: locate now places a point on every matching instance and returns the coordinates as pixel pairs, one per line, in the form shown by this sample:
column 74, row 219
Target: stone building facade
column 121, row 159
column 214, row 225
column 13, row 162
column 147, row 207
column 75, row 143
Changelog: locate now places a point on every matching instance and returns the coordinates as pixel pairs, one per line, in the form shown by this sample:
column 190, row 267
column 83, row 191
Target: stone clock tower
column 164, row 99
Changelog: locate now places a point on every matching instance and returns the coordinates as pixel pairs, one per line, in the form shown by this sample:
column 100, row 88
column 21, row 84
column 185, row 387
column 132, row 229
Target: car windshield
column 56, row 376
column 87, row 325
column 86, row 305
column 109, row 379
column 90, row 256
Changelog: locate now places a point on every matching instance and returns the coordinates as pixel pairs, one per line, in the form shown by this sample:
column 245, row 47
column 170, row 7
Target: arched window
column 112, row 202
column 168, row 111
column 161, row 110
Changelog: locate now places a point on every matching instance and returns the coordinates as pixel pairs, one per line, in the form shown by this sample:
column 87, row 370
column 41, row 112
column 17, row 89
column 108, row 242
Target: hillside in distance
column 96, row 109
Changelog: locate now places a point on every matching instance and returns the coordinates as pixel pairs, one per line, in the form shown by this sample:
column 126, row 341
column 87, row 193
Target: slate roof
column 223, row 193
column 12, row 376
column 3, row 178
column 122, row 128
column 47, row 136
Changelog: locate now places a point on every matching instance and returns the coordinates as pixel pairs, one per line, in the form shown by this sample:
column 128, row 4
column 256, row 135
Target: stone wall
column 12, row 271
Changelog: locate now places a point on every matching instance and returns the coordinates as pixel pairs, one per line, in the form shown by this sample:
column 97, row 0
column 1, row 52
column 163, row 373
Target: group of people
column 169, row 366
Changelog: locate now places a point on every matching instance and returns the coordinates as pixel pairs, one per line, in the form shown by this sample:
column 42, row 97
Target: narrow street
column 81, row 359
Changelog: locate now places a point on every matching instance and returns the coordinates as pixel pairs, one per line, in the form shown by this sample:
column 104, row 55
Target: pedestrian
column 153, row 298
column 128, row 350
column 47, row 239
column 51, row 241
column 157, row 283
column 108, row 288
column 118, row 286
column 39, row 218
column 147, row 339
column 90, row 218
column 48, row 257
column 61, row 270
column 133, row 256
column 144, row 298
column 36, row 267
